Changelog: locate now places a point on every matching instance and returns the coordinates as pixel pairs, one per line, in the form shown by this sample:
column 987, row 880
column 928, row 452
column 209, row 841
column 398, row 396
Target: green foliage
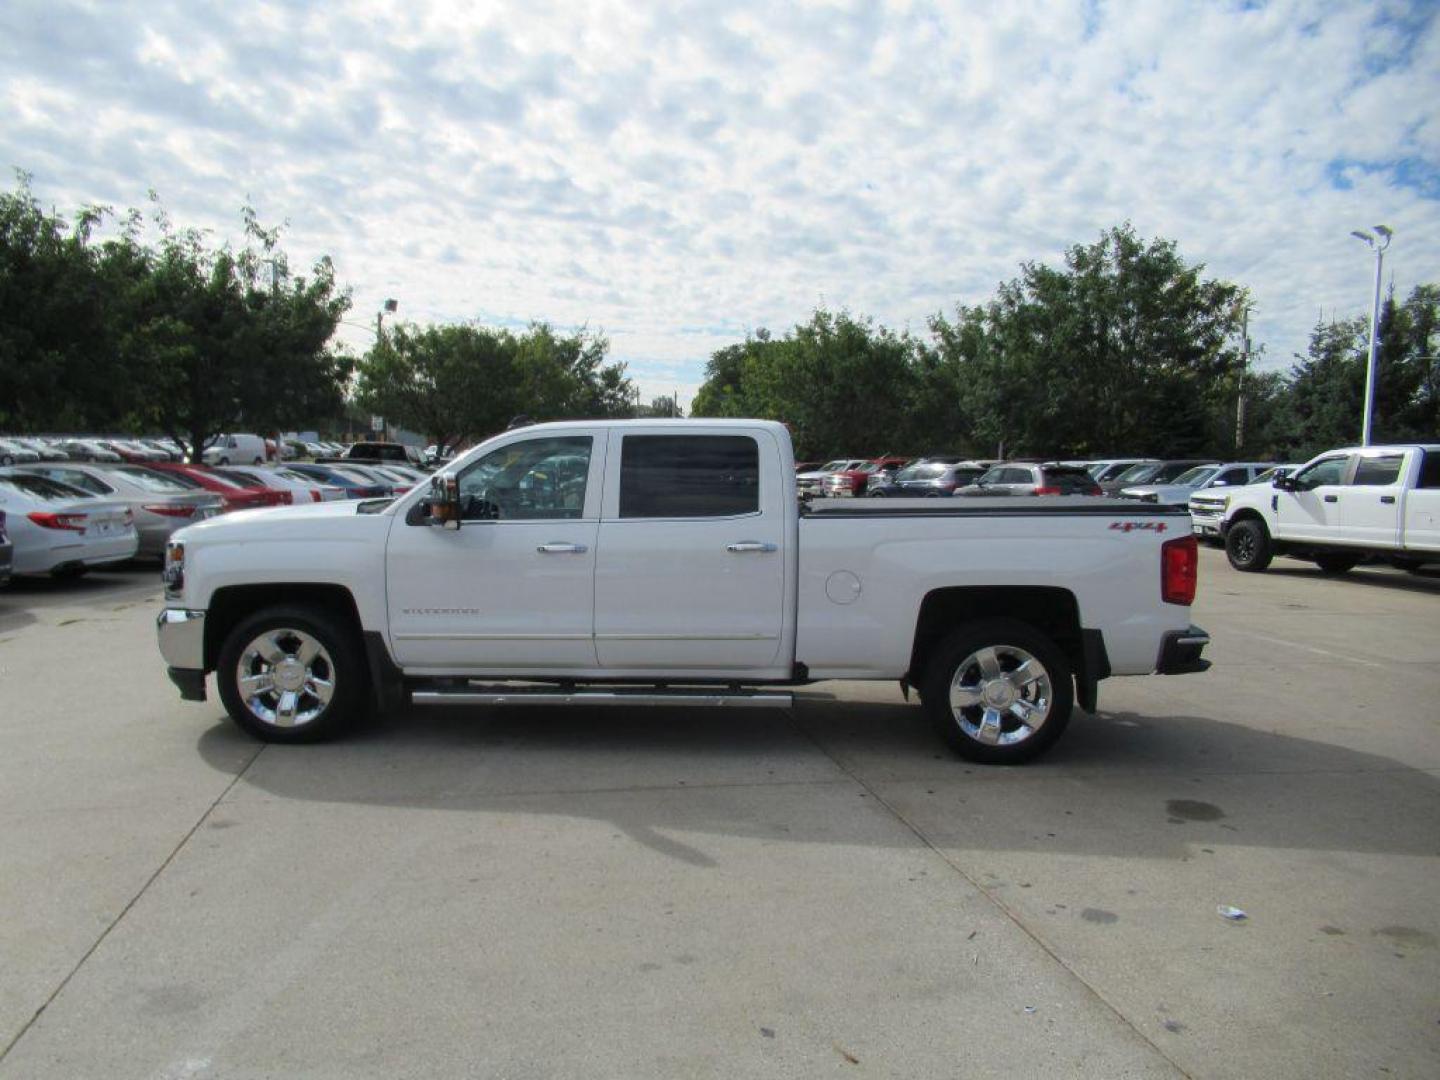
column 458, row 383
column 835, row 380
column 53, row 319
column 1127, row 347
column 170, row 335
column 1327, row 385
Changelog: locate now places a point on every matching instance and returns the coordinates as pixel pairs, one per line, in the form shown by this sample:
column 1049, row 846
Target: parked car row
column 1166, row 482
column 63, row 518
column 225, row 449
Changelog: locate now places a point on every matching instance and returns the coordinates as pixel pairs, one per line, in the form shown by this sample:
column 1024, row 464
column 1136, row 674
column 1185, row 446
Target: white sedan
column 302, row 488
column 61, row 531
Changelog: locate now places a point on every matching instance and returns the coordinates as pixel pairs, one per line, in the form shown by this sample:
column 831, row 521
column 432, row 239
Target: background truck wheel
column 998, row 691
column 1336, row 564
column 292, row 675
column 1247, row 545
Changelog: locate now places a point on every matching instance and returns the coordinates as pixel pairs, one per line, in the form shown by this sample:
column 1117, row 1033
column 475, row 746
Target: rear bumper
column 1180, row 652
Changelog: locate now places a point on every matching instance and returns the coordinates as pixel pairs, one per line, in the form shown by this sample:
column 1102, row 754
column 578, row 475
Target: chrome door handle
column 749, row 545
column 562, row 549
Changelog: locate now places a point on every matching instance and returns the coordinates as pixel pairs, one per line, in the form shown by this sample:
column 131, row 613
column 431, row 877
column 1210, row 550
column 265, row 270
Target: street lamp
column 389, row 307
column 1378, row 246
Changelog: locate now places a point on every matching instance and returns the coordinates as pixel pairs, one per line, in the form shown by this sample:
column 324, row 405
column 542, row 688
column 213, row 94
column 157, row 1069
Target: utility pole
column 1244, row 370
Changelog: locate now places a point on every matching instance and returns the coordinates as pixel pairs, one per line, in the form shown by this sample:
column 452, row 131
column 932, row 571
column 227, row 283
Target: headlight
column 174, row 573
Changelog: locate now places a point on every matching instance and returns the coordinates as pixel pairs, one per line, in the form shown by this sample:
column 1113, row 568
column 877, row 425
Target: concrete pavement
column 669, row 893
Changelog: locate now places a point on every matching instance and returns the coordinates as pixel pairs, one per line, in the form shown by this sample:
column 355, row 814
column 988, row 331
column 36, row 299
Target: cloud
column 680, row 174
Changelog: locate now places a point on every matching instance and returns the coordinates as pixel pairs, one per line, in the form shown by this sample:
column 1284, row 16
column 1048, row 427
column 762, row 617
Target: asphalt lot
column 669, row 893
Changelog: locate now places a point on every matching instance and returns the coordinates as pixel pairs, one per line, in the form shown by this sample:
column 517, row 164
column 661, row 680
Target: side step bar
column 692, row 696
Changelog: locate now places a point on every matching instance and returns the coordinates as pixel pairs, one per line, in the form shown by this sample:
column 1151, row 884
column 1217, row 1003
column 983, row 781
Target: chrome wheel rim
column 285, row 677
column 1001, row 695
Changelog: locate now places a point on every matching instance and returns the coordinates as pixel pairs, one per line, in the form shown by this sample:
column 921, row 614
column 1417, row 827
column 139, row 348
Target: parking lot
column 712, row 893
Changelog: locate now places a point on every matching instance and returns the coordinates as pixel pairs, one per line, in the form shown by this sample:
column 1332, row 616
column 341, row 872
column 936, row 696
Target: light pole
column 389, row 306
column 1378, row 246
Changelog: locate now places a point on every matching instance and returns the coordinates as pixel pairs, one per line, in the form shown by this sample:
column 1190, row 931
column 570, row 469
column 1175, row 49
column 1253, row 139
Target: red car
column 854, row 481
column 233, row 495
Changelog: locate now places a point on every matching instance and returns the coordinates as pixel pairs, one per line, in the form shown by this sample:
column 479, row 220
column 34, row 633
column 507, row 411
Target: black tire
column 955, row 659
column 1336, row 564
column 1247, row 545
column 878, row 495
column 8, row 459
column 224, row 461
column 340, row 662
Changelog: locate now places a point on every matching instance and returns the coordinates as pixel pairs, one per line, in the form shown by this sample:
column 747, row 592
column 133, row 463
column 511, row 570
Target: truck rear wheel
column 1247, row 545
column 291, row 675
column 998, row 691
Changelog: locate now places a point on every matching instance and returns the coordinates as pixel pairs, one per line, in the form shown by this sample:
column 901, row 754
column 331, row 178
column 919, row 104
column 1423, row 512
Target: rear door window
column 1379, row 471
column 1430, row 470
column 688, row 476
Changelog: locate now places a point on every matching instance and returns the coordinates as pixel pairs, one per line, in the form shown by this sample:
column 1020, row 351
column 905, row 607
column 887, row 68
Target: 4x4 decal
column 1131, row 526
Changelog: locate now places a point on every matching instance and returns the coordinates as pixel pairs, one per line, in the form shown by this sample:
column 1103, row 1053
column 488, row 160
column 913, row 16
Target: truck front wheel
column 998, row 691
column 1247, row 545
column 291, row 675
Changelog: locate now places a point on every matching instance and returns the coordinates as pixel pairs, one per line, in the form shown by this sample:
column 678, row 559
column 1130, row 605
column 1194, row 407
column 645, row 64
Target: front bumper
column 182, row 637
column 1180, row 652
column 181, row 634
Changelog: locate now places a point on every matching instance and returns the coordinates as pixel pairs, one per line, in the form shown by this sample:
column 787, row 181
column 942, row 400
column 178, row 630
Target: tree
column 838, row 381
column 212, row 345
column 662, row 407
column 1126, row 348
column 461, row 382
column 454, row 383
column 55, row 368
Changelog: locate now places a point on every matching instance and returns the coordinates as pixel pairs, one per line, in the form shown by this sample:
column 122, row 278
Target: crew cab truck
column 670, row 562
column 1339, row 508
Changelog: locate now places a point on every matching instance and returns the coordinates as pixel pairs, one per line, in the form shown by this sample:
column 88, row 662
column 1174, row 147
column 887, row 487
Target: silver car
column 160, row 504
column 14, row 453
column 60, row 530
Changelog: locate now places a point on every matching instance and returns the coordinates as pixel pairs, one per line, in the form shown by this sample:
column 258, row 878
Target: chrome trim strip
column 686, row 637
column 492, row 637
column 603, row 697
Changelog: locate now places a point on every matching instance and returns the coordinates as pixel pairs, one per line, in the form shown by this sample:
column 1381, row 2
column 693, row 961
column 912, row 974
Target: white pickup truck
column 1340, row 508
column 671, row 563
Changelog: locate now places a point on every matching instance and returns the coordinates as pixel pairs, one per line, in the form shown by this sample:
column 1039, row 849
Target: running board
column 692, row 696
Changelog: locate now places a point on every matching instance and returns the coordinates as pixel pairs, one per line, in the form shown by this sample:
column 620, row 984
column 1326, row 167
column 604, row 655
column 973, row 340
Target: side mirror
column 445, row 502
column 1283, row 483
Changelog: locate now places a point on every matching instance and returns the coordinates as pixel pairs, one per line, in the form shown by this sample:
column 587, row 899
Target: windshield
column 156, row 482
column 1196, row 476
column 1137, row 473
column 39, row 487
column 833, row 466
column 929, row 471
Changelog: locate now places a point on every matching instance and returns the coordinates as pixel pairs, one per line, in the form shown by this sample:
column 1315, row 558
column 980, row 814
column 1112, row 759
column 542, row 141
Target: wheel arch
column 1249, row 513
column 232, row 603
column 1052, row 610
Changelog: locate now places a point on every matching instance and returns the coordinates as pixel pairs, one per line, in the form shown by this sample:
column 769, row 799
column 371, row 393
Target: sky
column 676, row 175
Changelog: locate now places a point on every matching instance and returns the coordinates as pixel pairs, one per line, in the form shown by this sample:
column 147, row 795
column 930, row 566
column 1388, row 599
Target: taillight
column 287, row 497
column 1047, row 491
column 67, row 522
column 315, row 495
column 169, row 509
column 1179, row 570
